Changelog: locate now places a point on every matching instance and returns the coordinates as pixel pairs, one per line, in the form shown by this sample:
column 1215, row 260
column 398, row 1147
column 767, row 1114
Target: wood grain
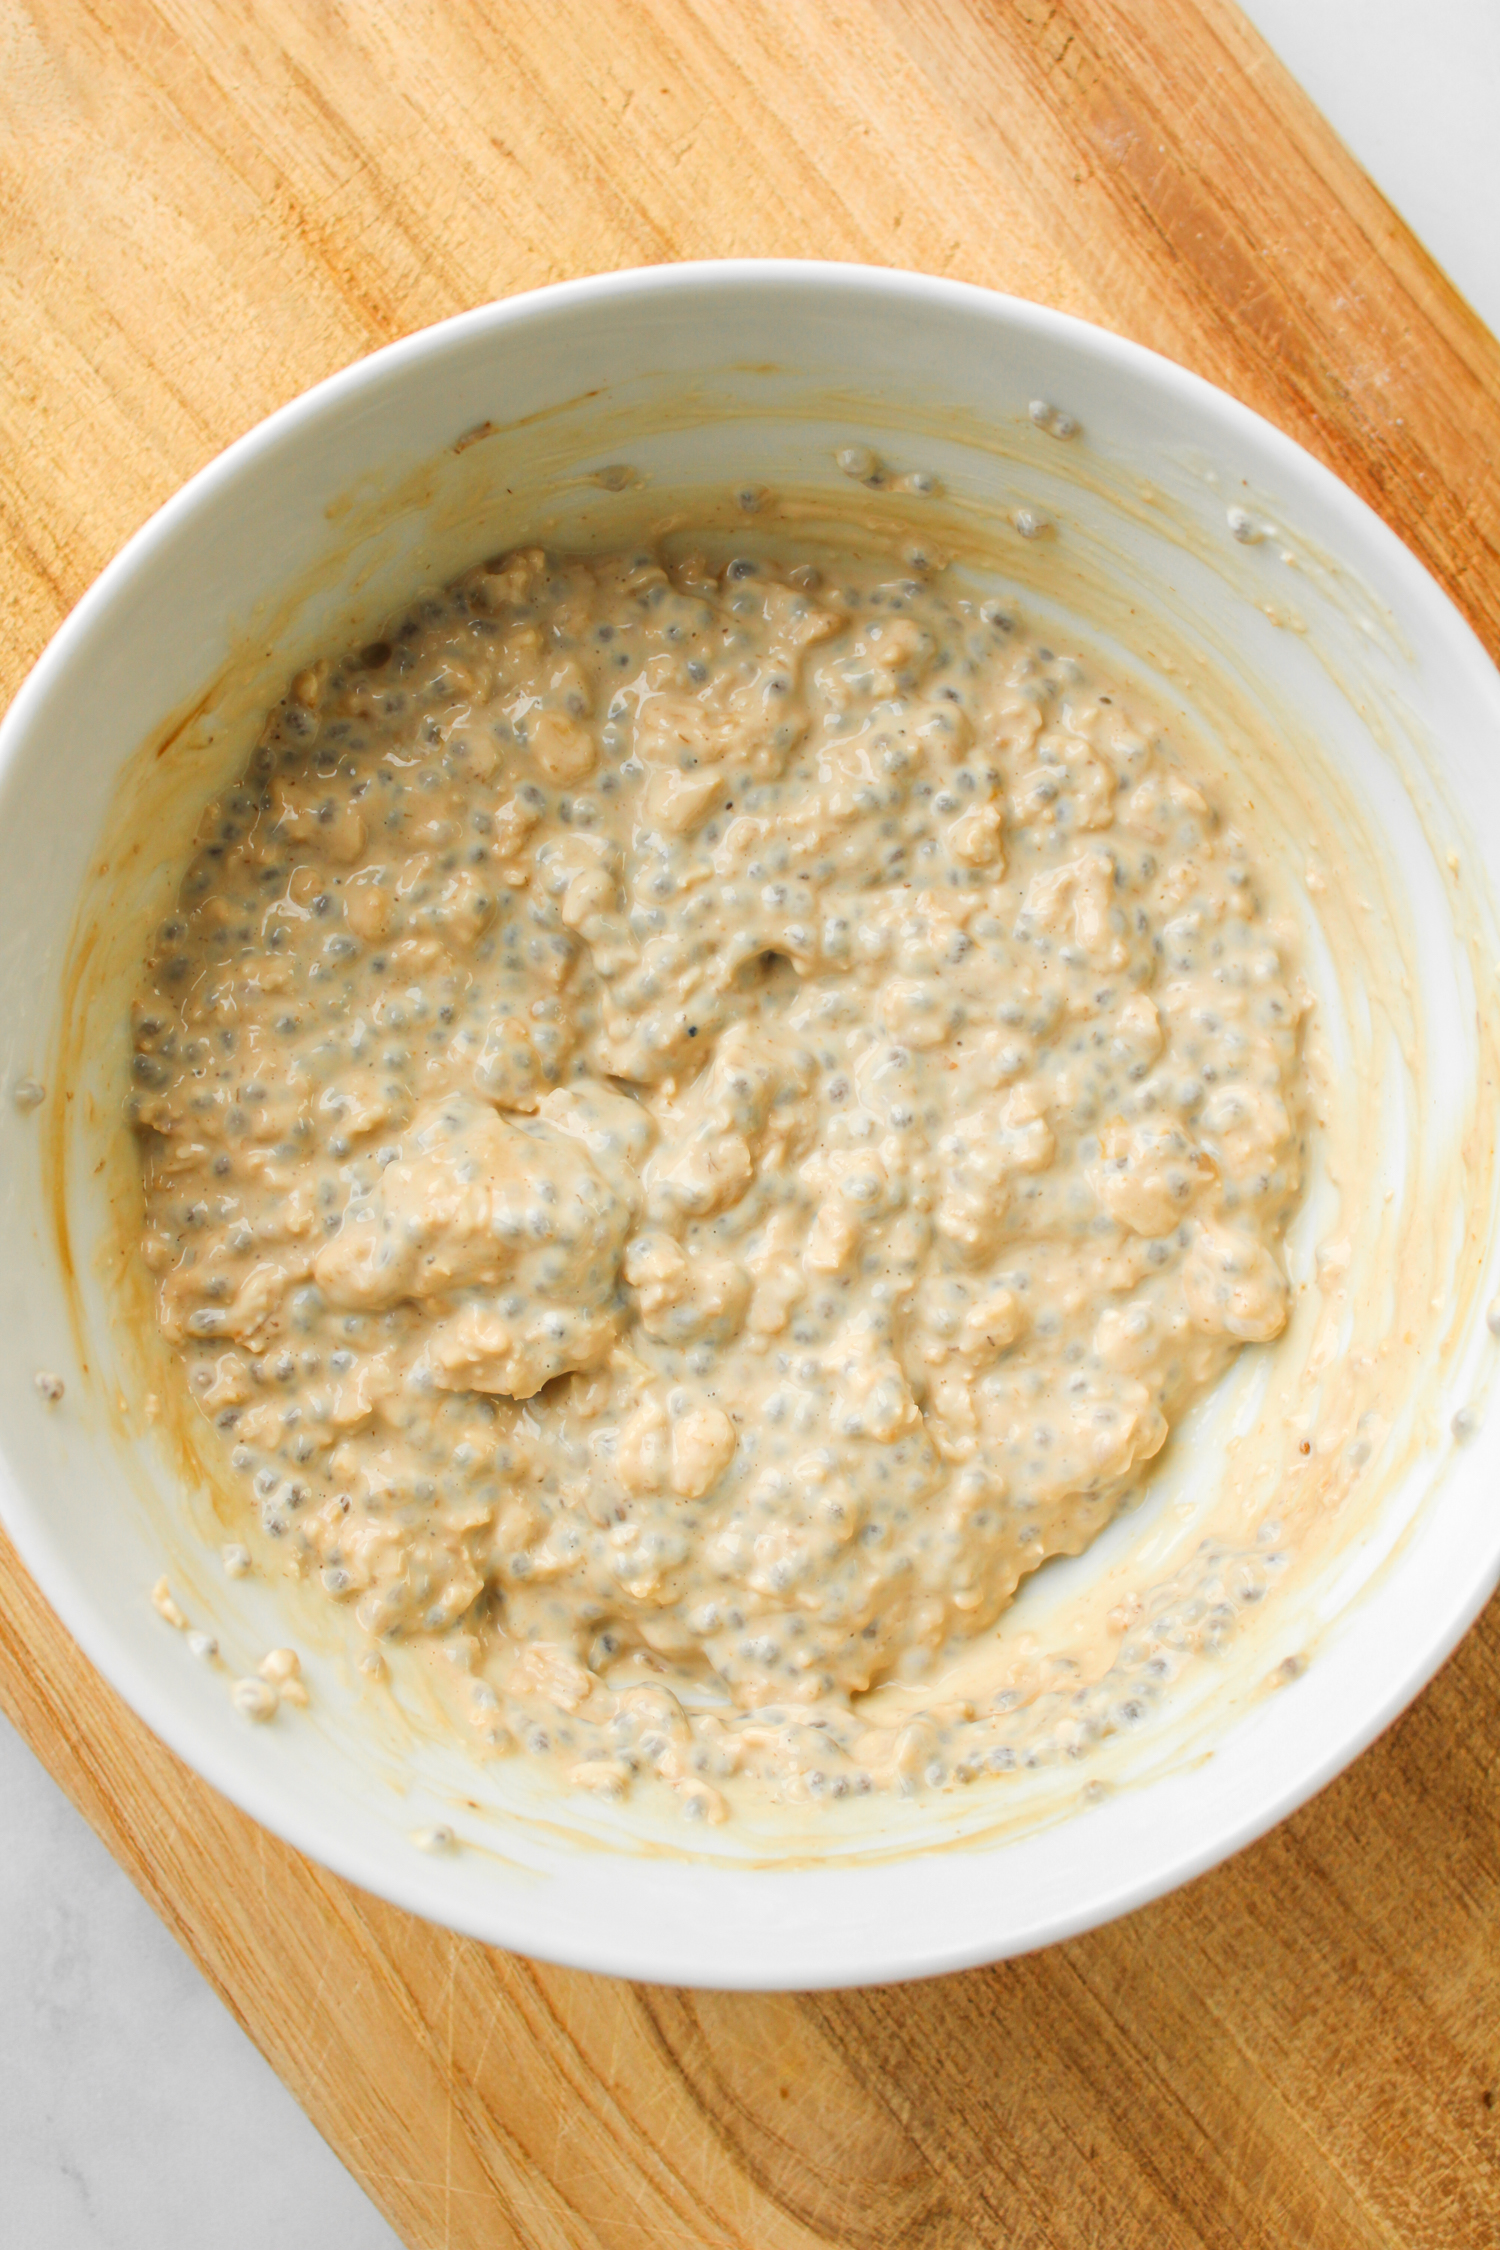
column 205, row 206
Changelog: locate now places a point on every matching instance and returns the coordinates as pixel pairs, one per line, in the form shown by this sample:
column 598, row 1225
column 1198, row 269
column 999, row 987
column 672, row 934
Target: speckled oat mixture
column 698, row 1123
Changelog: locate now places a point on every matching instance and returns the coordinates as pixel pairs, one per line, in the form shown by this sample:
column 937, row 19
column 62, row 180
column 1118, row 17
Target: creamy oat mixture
column 700, row 1122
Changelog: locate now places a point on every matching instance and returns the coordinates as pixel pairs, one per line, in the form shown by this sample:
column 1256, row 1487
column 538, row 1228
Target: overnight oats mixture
column 699, row 1121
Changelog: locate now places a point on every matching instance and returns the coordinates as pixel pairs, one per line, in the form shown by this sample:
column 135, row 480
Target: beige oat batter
column 700, row 1122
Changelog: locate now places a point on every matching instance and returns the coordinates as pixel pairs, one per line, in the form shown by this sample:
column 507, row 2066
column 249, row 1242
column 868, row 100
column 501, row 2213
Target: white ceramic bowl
column 459, row 440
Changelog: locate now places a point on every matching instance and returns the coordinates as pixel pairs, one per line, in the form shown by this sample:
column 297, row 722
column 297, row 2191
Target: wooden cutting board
column 206, row 205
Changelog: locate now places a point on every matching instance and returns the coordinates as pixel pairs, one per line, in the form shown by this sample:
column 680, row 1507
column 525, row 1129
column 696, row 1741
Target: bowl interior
column 1321, row 671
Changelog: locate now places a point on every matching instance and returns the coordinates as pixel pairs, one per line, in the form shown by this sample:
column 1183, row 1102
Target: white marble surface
column 133, row 2110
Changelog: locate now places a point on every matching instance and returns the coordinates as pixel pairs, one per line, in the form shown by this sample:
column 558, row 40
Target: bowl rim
column 638, row 1956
